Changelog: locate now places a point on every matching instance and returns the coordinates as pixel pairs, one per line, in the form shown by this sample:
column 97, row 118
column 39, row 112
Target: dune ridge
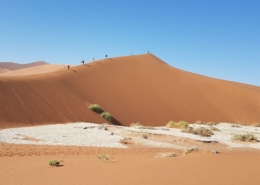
column 139, row 88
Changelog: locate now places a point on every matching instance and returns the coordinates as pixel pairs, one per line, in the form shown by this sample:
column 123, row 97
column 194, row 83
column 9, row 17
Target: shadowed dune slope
column 139, row 88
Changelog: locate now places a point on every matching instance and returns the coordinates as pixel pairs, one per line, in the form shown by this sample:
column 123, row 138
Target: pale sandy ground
column 131, row 163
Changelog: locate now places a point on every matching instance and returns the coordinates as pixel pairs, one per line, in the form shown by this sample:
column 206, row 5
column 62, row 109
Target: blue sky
column 217, row 38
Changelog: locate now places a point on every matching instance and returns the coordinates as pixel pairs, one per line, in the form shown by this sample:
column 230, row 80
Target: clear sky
column 217, row 38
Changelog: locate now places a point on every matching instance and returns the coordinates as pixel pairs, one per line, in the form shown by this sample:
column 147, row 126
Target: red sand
column 131, row 167
column 133, row 89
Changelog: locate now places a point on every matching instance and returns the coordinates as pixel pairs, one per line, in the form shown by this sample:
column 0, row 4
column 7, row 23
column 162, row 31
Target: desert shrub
column 180, row 124
column 214, row 128
column 96, row 108
column 210, row 123
column 256, row 125
column 145, row 136
column 170, row 124
column 54, row 163
column 123, row 141
column 199, row 131
column 103, row 157
column 183, row 124
column 106, row 115
column 166, row 155
column 245, row 137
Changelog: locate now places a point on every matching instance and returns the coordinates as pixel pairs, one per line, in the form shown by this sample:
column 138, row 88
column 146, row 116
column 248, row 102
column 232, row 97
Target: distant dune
column 139, row 88
column 35, row 70
column 15, row 66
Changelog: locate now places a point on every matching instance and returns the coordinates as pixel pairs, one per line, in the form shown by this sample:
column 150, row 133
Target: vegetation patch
column 214, row 128
column 106, row 115
column 123, row 141
column 103, row 157
column 180, row 124
column 96, row 108
column 245, row 137
column 54, row 163
column 166, row 155
column 205, row 132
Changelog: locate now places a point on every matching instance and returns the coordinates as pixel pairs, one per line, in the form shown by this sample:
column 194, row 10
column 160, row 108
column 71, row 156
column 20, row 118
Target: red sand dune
column 139, row 88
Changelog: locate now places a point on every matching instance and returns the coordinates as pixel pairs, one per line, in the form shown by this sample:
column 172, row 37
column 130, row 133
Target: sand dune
column 35, row 70
column 3, row 70
column 139, row 88
column 15, row 66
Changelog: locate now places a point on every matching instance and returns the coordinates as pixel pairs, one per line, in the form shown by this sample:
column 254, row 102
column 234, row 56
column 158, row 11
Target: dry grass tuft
column 245, row 137
column 180, row 124
column 205, row 132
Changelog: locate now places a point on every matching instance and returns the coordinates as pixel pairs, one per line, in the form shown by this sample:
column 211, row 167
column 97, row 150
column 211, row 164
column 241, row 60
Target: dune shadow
column 99, row 63
column 74, row 71
column 60, row 165
column 116, row 122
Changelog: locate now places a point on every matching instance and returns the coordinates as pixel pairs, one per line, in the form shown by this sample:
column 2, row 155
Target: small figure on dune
column 68, row 67
column 148, row 51
column 106, row 56
column 83, row 61
column 93, row 59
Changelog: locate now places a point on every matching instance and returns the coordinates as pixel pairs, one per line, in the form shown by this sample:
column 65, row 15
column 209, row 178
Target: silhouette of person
column 68, row 67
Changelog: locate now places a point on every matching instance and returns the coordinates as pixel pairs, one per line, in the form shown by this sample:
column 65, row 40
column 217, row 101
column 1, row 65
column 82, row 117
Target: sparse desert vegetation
column 96, row 108
column 106, row 115
column 103, row 157
column 245, row 137
column 202, row 131
column 54, row 163
column 180, row 124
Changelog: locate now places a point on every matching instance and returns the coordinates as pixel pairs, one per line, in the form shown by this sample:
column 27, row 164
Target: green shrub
column 106, row 115
column 96, row 108
column 245, row 137
column 180, row 124
column 199, row 131
column 54, row 163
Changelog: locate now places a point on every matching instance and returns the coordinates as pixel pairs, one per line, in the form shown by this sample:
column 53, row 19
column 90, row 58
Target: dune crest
column 139, row 88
